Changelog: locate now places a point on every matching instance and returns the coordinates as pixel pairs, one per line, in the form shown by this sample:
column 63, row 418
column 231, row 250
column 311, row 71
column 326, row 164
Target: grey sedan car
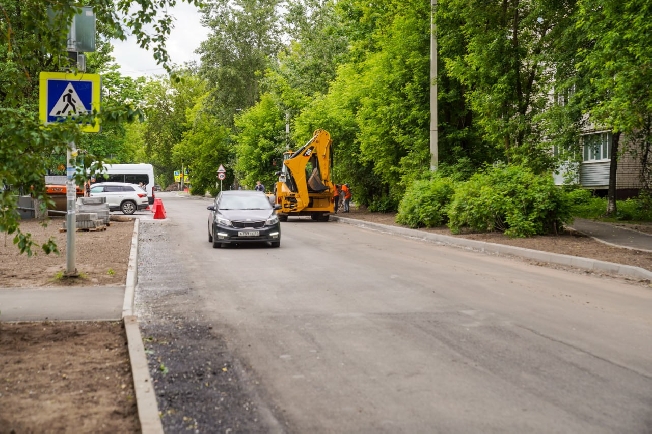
column 243, row 216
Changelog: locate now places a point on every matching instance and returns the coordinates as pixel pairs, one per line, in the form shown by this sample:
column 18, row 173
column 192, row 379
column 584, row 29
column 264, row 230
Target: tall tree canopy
column 503, row 54
column 245, row 37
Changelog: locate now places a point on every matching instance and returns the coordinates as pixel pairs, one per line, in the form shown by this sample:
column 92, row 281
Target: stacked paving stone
column 87, row 221
column 96, row 205
column 92, row 213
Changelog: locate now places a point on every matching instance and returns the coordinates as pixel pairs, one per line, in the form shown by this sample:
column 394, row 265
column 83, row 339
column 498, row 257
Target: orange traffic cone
column 159, row 209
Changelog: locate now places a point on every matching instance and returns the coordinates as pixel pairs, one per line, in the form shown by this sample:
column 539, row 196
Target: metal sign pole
column 71, row 217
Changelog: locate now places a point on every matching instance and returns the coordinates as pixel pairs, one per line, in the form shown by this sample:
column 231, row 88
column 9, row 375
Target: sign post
column 65, row 95
column 62, row 95
column 221, row 175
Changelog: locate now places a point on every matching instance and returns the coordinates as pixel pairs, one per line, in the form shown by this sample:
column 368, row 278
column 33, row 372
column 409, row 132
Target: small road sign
column 221, row 169
column 221, row 176
column 62, row 95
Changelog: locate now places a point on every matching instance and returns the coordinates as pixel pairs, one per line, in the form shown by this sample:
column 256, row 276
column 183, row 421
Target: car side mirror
column 210, row 208
column 277, row 206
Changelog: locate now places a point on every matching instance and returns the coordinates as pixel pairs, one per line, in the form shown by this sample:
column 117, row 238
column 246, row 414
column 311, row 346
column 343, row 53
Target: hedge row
column 510, row 199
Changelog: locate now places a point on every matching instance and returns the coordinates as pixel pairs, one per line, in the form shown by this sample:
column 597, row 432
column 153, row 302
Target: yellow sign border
column 96, row 81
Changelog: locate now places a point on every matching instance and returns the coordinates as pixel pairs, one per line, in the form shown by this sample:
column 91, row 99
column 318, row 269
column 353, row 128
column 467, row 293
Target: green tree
column 303, row 71
column 336, row 112
column 166, row 103
column 260, row 137
column 317, row 45
column 377, row 106
column 616, row 63
column 245, row 38
column 504, row 55
column 118, row 92
column 204, row 147
column 394, row 114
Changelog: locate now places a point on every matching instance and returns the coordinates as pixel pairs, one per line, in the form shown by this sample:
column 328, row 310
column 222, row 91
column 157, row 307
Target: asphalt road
column 345, row 329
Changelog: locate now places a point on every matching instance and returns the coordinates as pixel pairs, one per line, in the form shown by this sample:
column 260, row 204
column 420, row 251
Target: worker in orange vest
column 347, row 196
column 336, row 196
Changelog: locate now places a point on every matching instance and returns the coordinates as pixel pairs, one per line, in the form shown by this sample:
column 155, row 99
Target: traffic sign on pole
column 221, row 176
column 221, row 169
column 62, row 95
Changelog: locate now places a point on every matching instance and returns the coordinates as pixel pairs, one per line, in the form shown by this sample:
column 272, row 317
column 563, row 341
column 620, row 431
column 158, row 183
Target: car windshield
column 249, row 201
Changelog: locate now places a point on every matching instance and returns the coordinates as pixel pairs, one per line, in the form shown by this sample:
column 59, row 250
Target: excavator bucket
column 314, row 183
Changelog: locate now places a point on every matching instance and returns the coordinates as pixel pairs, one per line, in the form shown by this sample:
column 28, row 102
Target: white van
column 131, row 174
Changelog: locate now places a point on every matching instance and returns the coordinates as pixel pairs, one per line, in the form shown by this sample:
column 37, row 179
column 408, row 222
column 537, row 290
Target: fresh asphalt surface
column 345, row 329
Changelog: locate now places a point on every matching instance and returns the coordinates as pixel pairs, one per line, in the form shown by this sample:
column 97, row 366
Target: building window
column 597, row 146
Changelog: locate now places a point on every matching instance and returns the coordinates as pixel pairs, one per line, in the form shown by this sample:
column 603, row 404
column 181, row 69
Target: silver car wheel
column 128, row 207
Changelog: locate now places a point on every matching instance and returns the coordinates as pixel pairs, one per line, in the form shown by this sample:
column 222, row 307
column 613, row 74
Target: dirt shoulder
column 66, row 376
column 101, row 257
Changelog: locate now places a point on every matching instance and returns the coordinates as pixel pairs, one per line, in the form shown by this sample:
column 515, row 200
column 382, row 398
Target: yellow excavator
column 304, row 186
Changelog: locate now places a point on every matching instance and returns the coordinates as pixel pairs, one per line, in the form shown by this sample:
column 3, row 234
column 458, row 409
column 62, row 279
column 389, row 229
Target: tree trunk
column 613, row 166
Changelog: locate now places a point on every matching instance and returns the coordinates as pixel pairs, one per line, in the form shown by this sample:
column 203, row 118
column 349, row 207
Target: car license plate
column 248, row 233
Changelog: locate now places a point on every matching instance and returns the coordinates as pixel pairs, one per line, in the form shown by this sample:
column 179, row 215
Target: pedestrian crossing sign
column 65, row 94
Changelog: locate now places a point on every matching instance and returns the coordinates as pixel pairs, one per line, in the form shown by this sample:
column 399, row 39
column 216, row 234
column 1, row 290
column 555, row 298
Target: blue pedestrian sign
column 62, row 95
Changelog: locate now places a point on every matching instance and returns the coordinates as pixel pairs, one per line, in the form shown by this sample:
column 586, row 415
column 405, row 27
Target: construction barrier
column 159, row 209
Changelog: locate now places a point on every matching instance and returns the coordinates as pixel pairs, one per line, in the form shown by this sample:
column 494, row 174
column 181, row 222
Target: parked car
column 243, row 216
column 121, row 196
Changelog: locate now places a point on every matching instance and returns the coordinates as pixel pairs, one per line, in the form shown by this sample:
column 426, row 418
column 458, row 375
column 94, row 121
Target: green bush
column 586, row 206
column 384, row 204
column 510, row 199
column 594, row 207
column 425, row 203
column 579, row 196
column 637, row 209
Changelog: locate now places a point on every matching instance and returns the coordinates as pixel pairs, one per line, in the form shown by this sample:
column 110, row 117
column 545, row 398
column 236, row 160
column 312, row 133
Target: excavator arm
column 298, row 192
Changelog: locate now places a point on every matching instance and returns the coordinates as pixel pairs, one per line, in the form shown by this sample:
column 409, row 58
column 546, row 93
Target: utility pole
column 71, row 217
column 434, row 133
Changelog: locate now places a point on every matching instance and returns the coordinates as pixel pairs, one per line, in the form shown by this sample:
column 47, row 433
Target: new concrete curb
column 554, row 258
column 150, row 422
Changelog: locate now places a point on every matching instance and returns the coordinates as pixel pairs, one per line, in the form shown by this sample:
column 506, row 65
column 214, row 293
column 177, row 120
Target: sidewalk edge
column 132, row 273
column 555, row 258
column 148, row 413
column 150, row 422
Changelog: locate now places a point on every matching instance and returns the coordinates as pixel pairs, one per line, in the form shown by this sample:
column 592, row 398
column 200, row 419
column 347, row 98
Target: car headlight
column 223, row 221
column 272, row 220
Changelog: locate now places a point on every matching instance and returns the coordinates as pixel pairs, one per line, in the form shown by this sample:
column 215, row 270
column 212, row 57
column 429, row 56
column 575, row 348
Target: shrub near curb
column 510, row 199
column 425, row 203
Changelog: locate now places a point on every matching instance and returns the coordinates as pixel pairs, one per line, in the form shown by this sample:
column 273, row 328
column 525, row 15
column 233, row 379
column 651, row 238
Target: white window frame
column 596, row 147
